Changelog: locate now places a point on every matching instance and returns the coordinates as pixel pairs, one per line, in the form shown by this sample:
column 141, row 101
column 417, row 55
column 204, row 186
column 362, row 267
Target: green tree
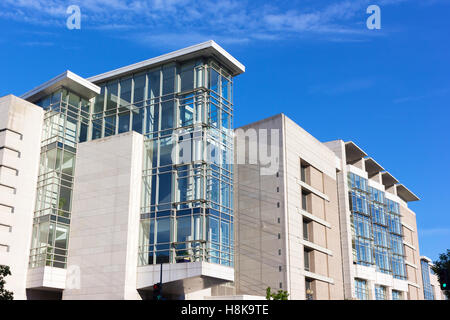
column 4, row 294
column 442, row 264
column 280, row 295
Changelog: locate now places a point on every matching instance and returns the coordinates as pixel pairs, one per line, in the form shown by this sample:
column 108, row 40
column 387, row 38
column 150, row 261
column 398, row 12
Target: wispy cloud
column 343, row 87
column 231, row 20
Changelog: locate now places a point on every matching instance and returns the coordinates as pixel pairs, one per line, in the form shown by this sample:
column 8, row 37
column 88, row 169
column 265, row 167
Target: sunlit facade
column 181, row 106
column 377, row 229
column 185, row 112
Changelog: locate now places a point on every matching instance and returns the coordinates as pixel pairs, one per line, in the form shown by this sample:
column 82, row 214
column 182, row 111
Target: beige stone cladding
column 103, row 243
column 412, row 255
column 20, row 137
column 270, row 218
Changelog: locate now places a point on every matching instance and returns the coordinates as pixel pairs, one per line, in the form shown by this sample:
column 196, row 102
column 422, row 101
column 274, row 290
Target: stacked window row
column 377, row 238
column 187, row 121
column 165, row 98
column 66, row 123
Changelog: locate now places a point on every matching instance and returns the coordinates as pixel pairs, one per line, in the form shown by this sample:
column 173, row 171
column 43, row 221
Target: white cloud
column 231, row 20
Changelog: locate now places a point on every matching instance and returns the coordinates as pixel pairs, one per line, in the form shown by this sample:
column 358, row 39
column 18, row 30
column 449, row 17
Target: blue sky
column 387, row 90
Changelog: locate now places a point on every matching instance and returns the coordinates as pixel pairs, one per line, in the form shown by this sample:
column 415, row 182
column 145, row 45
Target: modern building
column 329, row 223
column 106, row 179
column 113, row 183
column 379, row 239
column 431, row 286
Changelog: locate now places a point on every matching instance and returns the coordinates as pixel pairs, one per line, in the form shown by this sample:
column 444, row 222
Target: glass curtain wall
column 376, row 228
column 185, row 113
column 427, row 288
column 66, row 123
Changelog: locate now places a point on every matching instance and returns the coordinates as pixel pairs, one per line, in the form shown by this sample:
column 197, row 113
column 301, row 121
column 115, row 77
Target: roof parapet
column 426, row 259
column 67, row 79
column 353, row 152
column 388, row 179
column 405, row 194
column 208, row 48
column 372, row 167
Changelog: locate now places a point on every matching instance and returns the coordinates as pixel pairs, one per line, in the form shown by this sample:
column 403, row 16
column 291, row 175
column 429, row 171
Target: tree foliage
column 280, row 295
column 4, row 294
column 442, row 264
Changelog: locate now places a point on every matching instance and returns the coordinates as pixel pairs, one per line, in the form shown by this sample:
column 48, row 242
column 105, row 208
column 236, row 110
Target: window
column 361, row 290
column 168, row 80
column 380, row 293
column 309, row 289
column 124, row 122
column 427, row 287
column 307, row 259
column 306, row 230
column 304, row 201
column 125, row 92
column 154, row 85
column 357, row 182
column 303, row 172
column 139, row 88
column 111, row 95
column 187, row 77
column 364, row 252
column 397, row 295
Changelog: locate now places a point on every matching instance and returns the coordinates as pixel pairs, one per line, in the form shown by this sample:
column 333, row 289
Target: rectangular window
column 397, row 295
column 111, row 96
column 187, row 77
column 304, row 201
column 307, row 259
column 309, row 289
column 306, row 230
column 361, row 290
column 139, row 88
column 168, row 80
column 154, row 84
column 380, row 293
column 125, row 92
column 124, row 122
column 138, row 119
column 303, row 167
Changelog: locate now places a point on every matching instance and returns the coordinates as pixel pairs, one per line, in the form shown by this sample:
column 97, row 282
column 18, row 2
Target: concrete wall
column 269, row 219
column 325, row 257
column 338, row 147
column 412, row 254
column 259, row 223
column 104, row 230
column 19, row 165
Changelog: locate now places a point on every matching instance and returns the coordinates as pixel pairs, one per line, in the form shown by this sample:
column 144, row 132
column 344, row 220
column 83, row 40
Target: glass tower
column 66, row 123
column 185, row 112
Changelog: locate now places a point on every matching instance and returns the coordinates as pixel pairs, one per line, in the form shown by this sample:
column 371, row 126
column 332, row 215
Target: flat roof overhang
column 67, row 79
column 388, row 179
column 372, row 167
column 205, row 49
column 182, row 278
column 406, row 194
column 353, row 152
